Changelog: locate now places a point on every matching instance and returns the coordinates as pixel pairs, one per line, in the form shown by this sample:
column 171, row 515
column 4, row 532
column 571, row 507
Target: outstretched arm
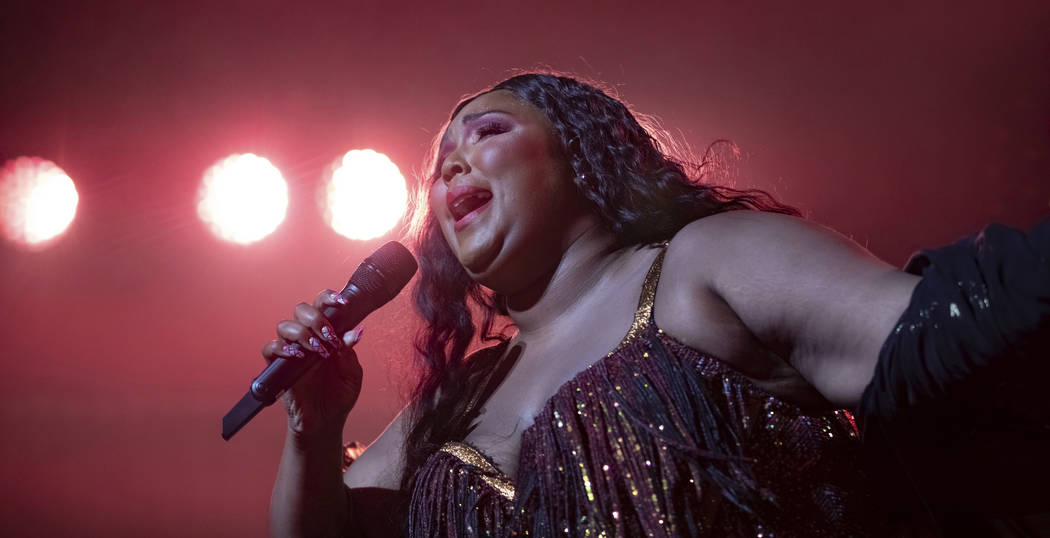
column 948, row 369
column 809, row 294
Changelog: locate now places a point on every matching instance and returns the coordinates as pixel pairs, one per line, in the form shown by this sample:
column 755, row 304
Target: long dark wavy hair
column 642, row 193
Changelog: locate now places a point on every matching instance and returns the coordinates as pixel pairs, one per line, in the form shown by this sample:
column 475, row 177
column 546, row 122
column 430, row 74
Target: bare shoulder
column 751, row 233
column 734, row 248
column 382, row 463
column 690, row 304
column 711, row 251
column 809, row 293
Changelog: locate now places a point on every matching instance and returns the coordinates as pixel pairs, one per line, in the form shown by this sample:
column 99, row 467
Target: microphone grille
column 386, row 271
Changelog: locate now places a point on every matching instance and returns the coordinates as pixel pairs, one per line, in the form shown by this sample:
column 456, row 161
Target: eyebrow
column 467, row 118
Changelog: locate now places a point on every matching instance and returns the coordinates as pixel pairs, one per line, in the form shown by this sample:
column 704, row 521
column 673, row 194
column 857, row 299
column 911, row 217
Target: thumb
column 351, row 337
column 348, row 365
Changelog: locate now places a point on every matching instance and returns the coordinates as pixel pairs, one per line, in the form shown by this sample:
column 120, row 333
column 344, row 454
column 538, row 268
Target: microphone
column 375, row 282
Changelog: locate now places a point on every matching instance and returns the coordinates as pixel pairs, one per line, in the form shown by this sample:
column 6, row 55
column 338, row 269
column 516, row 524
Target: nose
column 454, row 164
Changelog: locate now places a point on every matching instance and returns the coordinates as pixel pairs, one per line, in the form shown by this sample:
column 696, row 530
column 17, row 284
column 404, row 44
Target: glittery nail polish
column 329, row 334
column 338, row 297
column 318, row 346
column 293, row 350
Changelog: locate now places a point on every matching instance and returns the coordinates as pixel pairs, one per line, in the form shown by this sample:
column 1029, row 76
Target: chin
column 497, row 269
column 478, row 257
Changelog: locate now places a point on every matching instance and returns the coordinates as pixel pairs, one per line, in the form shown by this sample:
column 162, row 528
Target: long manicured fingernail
column 318, row 347
column 337, row 297
column 352, row 337
column 293, row 350
column 328, row 334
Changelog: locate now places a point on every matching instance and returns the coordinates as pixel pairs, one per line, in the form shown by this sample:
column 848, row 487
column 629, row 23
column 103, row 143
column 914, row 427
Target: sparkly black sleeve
column 960, row 391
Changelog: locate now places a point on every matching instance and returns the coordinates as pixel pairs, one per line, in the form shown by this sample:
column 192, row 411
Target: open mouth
column 464, row 205
column 467, row 202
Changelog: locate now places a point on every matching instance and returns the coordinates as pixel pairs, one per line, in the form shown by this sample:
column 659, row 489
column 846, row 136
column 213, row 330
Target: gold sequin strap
column 489, row 473
column 644, row 314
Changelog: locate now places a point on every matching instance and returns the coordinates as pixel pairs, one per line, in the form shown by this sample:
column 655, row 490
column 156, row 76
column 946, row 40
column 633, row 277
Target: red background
column 123, row 345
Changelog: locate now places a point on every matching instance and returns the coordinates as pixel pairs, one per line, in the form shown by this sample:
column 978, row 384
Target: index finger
column 328, row 298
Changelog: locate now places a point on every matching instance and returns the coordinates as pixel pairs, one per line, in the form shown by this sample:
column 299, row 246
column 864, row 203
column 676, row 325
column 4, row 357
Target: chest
column 545, row 365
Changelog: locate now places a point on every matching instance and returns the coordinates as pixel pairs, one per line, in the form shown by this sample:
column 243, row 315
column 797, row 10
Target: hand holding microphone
column 325, row 394
column 328, row 392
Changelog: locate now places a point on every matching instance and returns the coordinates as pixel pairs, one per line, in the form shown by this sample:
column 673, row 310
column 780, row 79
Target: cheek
column 513, row 152
column 436, row 198
column 439, row 208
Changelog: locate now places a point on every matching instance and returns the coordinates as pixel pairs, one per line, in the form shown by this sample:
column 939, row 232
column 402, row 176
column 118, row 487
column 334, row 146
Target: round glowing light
column 39, row 201
column 366, row 195
column 243, row 198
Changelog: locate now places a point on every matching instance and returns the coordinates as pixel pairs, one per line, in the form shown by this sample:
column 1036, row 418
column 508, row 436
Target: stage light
column 243, row 198
column 39, row 201
column 365, row 196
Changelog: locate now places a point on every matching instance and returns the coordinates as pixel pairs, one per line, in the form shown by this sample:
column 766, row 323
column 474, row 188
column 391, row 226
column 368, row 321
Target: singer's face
column 504, row 197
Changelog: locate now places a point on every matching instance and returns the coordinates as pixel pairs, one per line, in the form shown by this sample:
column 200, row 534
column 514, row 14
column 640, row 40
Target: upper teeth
column 462, row 202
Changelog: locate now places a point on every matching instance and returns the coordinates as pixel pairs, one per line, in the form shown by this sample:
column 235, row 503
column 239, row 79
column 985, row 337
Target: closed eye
column 481, row 131
column 490, row 128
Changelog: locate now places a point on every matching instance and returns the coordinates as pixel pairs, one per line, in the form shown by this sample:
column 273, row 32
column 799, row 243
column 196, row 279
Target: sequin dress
column 655, row 439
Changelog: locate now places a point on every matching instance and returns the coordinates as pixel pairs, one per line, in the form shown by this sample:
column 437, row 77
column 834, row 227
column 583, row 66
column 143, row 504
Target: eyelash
column 489, row 129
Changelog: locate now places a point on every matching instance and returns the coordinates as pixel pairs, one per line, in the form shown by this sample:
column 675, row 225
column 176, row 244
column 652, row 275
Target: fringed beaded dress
column 655, row 439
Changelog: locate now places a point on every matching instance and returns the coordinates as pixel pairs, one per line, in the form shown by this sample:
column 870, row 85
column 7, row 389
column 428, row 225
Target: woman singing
column 681, row 355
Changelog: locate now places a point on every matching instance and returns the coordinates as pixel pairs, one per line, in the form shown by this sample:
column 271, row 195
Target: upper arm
column 383, row 462
column 812, row 295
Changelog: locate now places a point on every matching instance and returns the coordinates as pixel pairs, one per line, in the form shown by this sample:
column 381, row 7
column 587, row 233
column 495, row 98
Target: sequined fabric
column 655, row 439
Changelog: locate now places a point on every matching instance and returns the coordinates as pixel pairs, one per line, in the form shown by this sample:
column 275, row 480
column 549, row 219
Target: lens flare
column 39, row 201
column 366, row 195
column 243, row 198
